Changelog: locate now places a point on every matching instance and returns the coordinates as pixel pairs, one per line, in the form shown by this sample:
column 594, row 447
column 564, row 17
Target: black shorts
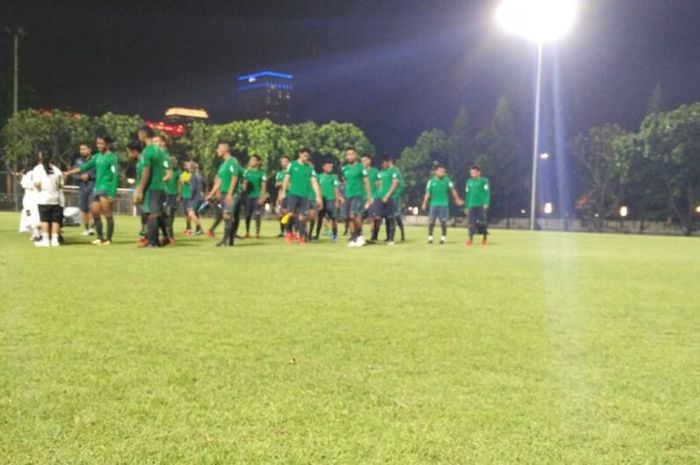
column 171, row 202
column 477, row 216
column 328, row 209
column 154, row 201
column 353, row 206
column 252, row 207
column 297, row 204
column 383, row 210
column 95, row 196
column 84, row 195
column 51, row 213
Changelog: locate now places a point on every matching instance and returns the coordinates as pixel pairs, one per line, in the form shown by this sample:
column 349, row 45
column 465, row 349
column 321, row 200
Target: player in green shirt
column 358, row 195
column 388, row 183
column 438, row 192
column 227, row 189
column 397, row 204
column 190, row 185
column 172, row 192
column 477, row 194
column 279, row 179
column 312, row 216
column 255, row 182
column 373, row 179
column 133, row 152
column 330, row 193
column 151, row 190
column 106, row 168
column 298, row 183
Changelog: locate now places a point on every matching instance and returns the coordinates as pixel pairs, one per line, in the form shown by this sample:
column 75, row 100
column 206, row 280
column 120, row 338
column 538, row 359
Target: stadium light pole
column 541, row 22
column 16, row 33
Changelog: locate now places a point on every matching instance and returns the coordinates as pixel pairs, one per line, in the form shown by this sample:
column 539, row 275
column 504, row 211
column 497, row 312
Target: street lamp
column 16, row 33
column 541, row 22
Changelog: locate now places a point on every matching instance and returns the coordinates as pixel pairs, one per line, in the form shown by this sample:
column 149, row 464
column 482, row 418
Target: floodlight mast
column 539, row 21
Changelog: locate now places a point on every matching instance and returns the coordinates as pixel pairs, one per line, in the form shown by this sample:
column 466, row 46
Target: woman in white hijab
column 29, row 220
column 48, row 180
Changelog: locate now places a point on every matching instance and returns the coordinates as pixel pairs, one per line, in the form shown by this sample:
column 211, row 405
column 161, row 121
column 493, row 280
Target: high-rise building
column 266, row 95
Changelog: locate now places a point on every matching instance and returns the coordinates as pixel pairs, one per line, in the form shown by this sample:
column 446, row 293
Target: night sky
column 394, row 68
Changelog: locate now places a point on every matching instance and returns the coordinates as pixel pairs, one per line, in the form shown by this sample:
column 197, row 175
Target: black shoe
column 280, row 235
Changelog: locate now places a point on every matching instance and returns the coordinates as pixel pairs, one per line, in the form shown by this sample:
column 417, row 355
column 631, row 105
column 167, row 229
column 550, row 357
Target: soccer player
column 437, row 191
column 397, row 204
column 226, row 189
column 256, row 192
column 357, row 195
column 279, row 179
column 383, row 202
column 86, row 186
column 172, row 192
column 330, row 193
column 478, row 197
column 151, row 191
column 299, row 181
column 191, row 188
column 106, row 168
column 373, row 178
column 133, row 152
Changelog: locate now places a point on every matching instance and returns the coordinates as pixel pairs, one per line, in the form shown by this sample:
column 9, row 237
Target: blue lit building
column 266, row 95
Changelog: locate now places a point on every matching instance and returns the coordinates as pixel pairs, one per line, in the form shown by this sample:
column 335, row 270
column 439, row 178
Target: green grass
column 540, row 349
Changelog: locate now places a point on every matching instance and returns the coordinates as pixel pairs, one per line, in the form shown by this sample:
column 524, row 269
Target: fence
column 11, row 199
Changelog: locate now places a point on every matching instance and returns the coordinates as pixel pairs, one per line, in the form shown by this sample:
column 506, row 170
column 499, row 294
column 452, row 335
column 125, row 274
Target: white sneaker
column 42, row 243
column 91, row 232
column 390, row 243
column 360, row 241
column 352, row 244
column 86, row 232
column 430, row 239
column 97, row 242
column 442, row 240
column 55, row 243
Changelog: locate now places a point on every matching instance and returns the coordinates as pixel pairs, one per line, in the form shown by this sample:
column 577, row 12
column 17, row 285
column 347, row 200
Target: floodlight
column 539, row 21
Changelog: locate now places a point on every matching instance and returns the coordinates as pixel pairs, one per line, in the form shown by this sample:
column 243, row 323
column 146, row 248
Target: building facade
column 266, row 95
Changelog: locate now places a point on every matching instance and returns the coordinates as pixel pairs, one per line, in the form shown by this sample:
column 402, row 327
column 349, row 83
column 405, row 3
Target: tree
column 672, row 143
column 334, row 138
column 417, row 162
column 639, row 189
column 460, row 148
column 120, row 128
column 656, row 101
column 599, row 165
column 499, row 158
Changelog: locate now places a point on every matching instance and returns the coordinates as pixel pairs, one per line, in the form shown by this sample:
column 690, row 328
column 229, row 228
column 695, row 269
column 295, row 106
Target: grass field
column 539, row 349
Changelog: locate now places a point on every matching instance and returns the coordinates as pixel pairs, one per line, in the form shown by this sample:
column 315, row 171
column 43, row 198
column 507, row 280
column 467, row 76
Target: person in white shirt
column 29, row 221
column 48, row 180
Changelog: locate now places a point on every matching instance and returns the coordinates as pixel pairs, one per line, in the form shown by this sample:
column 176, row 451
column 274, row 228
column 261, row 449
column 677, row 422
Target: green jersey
column 106, row 172
column 402, row 185
column 439, row 190
column 328, row 183
column 477, row 192
column 228, row 169
column 354, row 176
column 300, row 175
column 185, row 178
column 386, row 178
column 255, row 177
column 373, row 177
column 139, row 170
column 159, row 163
column 171, row 184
